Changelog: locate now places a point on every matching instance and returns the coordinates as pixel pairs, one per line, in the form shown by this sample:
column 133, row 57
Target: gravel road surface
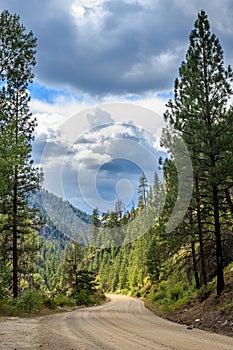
column 121, row 324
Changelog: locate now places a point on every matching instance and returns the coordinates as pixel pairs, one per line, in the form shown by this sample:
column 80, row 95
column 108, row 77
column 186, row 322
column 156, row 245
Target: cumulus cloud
column 108, row 146
column 95, row 166
column 99, row 118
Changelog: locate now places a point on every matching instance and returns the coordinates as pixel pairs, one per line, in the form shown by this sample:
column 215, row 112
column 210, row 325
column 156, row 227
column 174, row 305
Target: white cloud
column 99, row 117
column 105, row 144
column 89, row 12
column 51, row 116
column 81, row 145
column 91, row 156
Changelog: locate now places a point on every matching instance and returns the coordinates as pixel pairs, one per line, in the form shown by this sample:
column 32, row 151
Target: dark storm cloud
column 114, row 46
column 119, row 167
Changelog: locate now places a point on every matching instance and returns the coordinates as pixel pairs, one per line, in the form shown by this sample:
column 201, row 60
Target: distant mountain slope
column 65, row 219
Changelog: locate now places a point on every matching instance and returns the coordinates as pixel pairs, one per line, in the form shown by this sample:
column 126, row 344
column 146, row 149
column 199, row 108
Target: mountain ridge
column 61, row 216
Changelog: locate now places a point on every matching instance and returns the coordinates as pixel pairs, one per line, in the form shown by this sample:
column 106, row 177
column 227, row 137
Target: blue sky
column 95, row 53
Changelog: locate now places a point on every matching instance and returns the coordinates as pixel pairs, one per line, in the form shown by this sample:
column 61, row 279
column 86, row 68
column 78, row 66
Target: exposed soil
column 208, row 315
column 214, row 314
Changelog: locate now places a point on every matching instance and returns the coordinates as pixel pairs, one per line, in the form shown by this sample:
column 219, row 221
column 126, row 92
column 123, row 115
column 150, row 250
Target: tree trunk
column 200, row 234
column 197, row 281
column 219, row 258
column 194, row 259
column 15, row 241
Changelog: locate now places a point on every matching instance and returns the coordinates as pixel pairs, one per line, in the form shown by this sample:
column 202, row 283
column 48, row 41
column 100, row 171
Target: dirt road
column 123, row 323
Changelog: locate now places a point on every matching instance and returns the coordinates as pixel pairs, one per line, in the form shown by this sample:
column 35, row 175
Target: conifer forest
column 44, row 264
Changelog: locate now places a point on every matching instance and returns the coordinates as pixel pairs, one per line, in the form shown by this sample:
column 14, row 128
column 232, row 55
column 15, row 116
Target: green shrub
column 6, row 309
column 204, row 292
column 177, row 291
column 83, row 298
column 49, row 302
column 99, row 297
column 30, row 300
column 225, row 307
column 159, row 294
column 171, row 307
column 64, row 300
column 59, row 301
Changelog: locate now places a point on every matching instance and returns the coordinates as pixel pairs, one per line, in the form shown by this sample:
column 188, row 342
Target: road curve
column 122, row 323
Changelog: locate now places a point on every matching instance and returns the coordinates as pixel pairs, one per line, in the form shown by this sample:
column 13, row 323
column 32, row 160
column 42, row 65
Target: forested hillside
column 73, row 222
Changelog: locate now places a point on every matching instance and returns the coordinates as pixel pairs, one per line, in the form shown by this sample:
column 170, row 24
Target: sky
column 105, row 70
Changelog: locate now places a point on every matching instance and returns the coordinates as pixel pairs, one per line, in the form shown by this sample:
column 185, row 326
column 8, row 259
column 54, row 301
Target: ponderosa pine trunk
column 200, row 234
column 218, row 242
column 15, row 243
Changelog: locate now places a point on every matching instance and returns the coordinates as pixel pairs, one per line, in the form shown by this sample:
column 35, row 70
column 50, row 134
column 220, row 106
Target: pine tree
column 199, row 113
column 17, row 58
column 73, row 268
column 95, row 225
column 142, row 191
column 119, row 208
column 156, row 187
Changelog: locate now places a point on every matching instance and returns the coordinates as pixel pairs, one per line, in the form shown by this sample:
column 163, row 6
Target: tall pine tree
column 17, row 58
column 199, row 112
